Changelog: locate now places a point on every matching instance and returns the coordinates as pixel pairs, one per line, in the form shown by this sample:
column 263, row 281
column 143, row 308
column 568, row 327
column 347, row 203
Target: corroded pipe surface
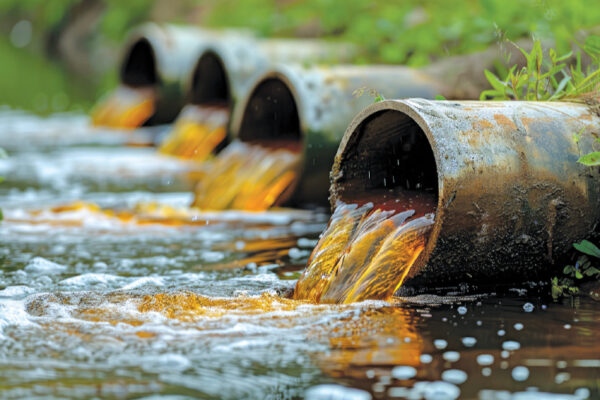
column 511, row 197
column 313, row 105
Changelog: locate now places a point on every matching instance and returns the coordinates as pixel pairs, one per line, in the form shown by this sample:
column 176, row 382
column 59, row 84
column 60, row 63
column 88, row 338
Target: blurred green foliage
column 411, row 32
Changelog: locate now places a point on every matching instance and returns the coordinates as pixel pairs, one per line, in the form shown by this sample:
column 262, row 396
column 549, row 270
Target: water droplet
column 520, row 373
column 528, row 307
column 455, row 376
column 511, row 345
column 335, row 392
column 504, row 354
column 462, row 310
column 562, row 377
column 485, row 359
column 567, row 326
column 486, row 371
column 501, row 332
column 426, row 359
column 404, row 372
column 440, row 344
column 451, row 356
column 469, row 341
column 518, row 326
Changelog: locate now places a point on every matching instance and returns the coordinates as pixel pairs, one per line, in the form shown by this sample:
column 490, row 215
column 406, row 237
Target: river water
column 197, row 305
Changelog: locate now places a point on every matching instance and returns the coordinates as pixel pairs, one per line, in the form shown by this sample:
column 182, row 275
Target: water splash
column 125, row 107
column 365, row 253
column 249, row 177
column 198, row 131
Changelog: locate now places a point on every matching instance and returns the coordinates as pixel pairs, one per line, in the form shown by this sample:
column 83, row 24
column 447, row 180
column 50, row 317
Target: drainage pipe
column 313, row 106
column 225, row 70
column 511, row 197
column 162, row 57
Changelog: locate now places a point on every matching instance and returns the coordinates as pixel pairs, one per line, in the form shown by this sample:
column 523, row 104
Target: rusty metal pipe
column 314, row 105
column 511, row 198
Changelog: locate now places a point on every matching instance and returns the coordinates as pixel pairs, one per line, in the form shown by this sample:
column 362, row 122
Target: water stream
column 128, row 293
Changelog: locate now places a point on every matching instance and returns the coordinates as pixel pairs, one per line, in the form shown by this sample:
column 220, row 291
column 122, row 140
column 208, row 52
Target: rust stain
column 482, row 125
column 504, row 121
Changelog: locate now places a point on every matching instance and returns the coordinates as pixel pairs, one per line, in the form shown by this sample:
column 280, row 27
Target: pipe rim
column 405, row 107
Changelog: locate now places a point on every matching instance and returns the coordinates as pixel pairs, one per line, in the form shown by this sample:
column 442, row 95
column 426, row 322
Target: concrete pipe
column 225, row 70
column 313, row 106
column 511, row 197
column 162, row 56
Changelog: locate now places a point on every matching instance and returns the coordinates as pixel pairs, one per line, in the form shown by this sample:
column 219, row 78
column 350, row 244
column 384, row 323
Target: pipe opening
column 389, row 161
column 210, row 85
column 271, row 115
column 139, row 68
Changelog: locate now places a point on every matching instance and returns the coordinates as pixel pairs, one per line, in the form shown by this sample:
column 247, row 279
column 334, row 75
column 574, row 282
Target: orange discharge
column 126, row 108
column 248, row 177
column 197, row 132
column 365, row 253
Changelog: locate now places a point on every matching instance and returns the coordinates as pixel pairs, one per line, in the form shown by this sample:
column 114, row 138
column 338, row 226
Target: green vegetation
column 549, row 78
column 574, row 275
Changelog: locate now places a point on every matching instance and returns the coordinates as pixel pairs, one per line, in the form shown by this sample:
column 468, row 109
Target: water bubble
column 455, row 376
column 404, row 372
column 520, row 373
column 479, row 323
column 438, row 390
column 562, row 377
column 451, row 356
column 511, row 345
column 335, row 392
column 567, row 326
column 486, row 371
column 504, row 354
column 426, row 359
column 440, row 344
column 501, row 332
column 528, row 307
column 462, row 310
column 582, row 393
column 485, row 359
column 469, row 341
column 518, row 326
column 370, row 374
column 561, row 364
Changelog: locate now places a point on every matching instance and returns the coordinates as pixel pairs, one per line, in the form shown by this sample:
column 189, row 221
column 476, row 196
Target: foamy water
column 179, row 303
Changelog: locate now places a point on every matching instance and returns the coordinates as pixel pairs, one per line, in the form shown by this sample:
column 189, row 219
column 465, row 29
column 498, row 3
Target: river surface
column 197, row 305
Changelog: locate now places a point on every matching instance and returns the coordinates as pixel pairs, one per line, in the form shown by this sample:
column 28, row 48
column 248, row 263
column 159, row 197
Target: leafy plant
column 548, row 78
column 582, row 271
column 377, row 97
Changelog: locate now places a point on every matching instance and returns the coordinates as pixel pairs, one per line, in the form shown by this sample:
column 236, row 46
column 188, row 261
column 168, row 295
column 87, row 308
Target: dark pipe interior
column 271, row 114
column 209, row 82
column 389, row 151
column 139, row 68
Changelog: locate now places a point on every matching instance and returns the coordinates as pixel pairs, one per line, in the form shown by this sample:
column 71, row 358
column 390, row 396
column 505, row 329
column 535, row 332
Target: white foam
column 40, row 265
column 335, row 392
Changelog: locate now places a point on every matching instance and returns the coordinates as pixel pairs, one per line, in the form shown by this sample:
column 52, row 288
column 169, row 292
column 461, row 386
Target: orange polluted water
column 248, row 176
column 365, row 253
column 197, row 132
column 126, row 107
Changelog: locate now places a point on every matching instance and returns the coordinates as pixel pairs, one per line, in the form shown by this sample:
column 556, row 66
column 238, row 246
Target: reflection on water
column 93, row 305
column 197, row 132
